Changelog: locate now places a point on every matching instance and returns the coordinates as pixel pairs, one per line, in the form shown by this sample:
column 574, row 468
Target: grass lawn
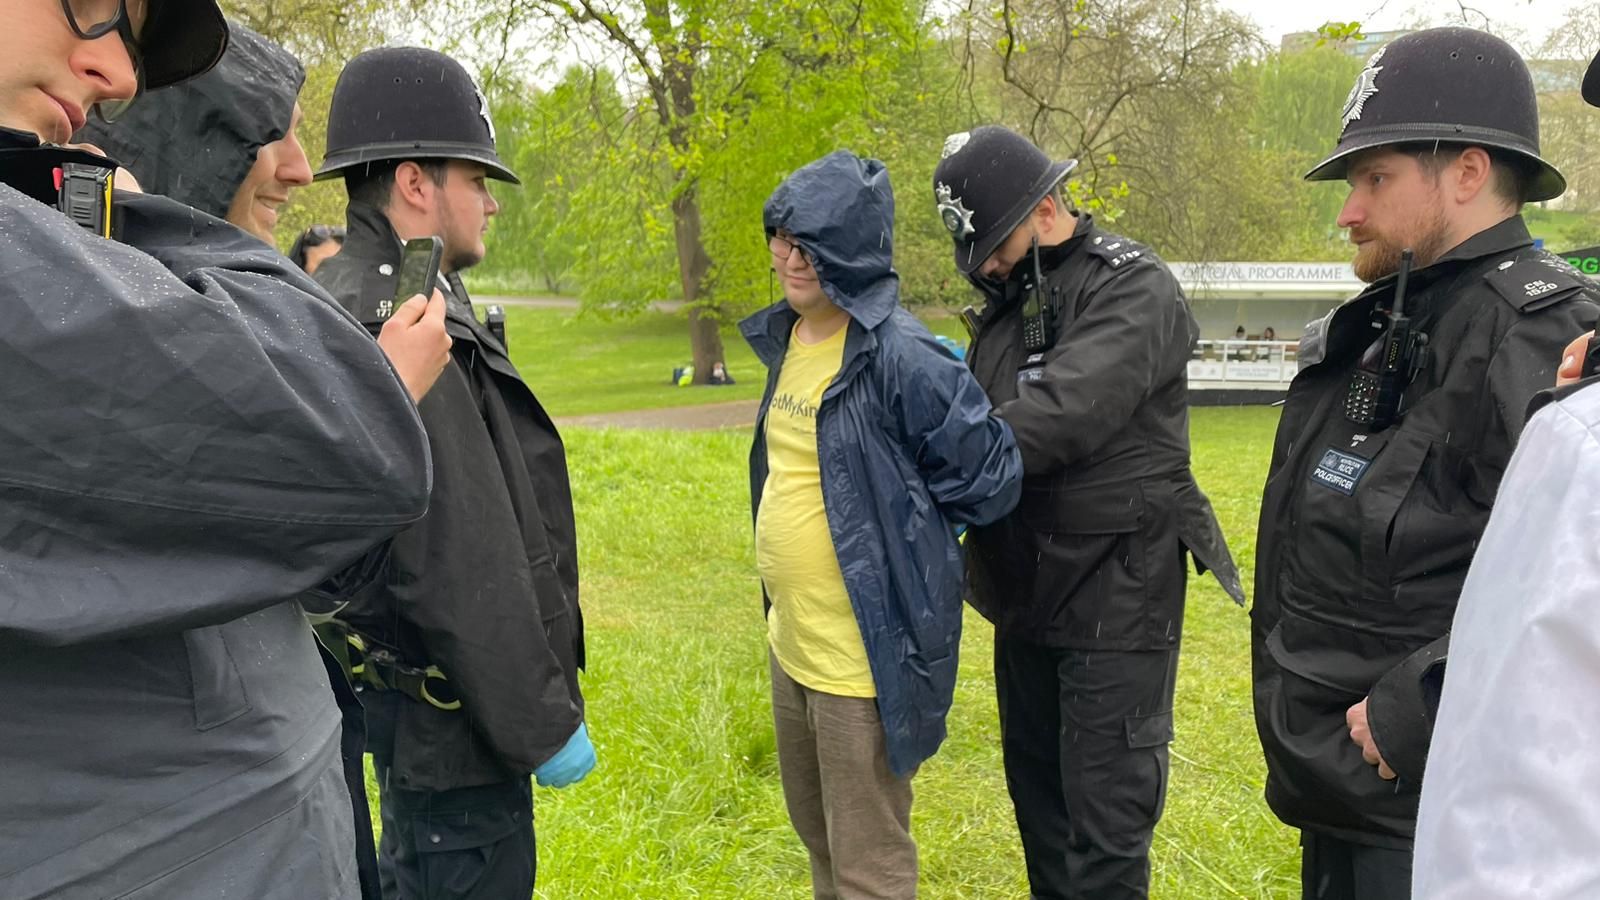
column 686, row 802
column 581, row 365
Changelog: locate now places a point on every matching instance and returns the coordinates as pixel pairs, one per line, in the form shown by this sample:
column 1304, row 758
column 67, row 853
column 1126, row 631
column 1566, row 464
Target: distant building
column 1550, row 76
column 1360, row 48
column 1556, row 76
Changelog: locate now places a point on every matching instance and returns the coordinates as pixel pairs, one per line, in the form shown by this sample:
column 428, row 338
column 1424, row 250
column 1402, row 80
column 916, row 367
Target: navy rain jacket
column 906, row 443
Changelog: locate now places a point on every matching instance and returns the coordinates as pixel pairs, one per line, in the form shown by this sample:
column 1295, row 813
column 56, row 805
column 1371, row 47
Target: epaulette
column 1118, row 252
column 1533, row 283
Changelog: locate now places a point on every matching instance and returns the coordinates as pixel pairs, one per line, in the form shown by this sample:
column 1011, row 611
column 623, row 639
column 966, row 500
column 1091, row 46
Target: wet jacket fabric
column 486, row 585
column 1508, row 809
column 1092, row 557
column 906, row 445
column 196, row 141
column 1366, row 535
column 194, row 434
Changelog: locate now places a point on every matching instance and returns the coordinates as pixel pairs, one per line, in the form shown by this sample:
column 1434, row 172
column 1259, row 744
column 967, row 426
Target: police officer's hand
column 415, row 341
column 570, row 764
column 1361, row 734
column 1572, row 361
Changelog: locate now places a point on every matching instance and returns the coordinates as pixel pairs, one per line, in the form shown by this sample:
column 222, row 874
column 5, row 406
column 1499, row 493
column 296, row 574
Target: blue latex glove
column 570, row 764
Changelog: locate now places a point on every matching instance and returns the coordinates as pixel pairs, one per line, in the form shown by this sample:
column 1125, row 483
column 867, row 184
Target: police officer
column 1394, row 438
column 470, row 648
column 1083, row 346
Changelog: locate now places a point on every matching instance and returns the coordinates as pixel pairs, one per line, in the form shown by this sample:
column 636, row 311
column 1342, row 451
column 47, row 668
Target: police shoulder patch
column 1534, row 282
column 1118, row 252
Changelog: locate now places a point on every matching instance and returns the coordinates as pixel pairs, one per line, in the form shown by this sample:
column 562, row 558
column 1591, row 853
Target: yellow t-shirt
column 811, row 627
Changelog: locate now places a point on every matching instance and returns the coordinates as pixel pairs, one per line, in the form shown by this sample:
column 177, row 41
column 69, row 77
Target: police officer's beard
column 461, row 259
column 1380, row 257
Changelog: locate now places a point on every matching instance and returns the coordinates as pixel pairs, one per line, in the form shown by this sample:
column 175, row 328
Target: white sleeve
column 1511, row 800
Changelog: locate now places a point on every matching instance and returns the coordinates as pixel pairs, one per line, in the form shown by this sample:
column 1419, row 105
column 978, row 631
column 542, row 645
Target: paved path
column 481, row 300
column 709, row 416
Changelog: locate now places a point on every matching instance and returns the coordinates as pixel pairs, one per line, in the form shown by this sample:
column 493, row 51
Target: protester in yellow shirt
column 873, row 443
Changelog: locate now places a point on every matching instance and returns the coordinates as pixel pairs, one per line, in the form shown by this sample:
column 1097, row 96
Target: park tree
column 723, row 97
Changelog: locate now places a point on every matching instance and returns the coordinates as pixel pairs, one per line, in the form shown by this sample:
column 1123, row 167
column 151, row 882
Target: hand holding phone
column 419, row 269
column 414, row 337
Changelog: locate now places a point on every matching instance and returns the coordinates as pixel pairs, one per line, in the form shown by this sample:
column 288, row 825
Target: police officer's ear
column 1474, row 175
column 1047, row 213
column 413, row 187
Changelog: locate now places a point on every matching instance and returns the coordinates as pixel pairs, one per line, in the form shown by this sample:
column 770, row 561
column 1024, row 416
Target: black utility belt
column 378, row 667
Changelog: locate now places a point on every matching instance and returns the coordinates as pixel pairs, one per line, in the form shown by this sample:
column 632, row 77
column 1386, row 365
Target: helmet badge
column 483, row 110
column 956, row 216
column 1365, row 87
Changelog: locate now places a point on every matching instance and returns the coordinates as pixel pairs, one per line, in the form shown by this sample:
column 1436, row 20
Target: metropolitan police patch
column 1340, row 471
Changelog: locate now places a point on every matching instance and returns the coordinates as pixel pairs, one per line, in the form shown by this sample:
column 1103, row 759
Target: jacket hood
column 840, row 209
column 195, row 142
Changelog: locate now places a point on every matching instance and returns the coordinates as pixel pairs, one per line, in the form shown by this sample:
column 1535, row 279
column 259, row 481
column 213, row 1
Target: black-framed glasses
column 783, row 250
column 94, row 19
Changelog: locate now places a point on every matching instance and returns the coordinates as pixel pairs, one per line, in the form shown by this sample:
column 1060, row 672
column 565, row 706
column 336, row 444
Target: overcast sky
column 1534, row 19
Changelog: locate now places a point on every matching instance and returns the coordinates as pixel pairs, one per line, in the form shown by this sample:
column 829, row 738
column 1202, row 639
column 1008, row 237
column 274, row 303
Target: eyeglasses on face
column 783, row 250
column 94, row 19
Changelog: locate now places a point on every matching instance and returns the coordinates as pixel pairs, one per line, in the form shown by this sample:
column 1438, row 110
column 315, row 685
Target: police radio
column 1035, row 314
column 1375, row 394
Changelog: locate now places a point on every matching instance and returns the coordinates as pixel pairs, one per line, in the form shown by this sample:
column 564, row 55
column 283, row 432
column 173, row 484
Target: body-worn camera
column 77, row 182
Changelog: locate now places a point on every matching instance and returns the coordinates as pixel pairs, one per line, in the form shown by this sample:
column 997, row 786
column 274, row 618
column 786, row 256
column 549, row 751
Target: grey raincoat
column 194, row 432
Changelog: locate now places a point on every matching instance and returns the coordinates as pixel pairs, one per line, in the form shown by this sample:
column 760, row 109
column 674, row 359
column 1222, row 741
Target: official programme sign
column 1280, row 272
column 1586, row 261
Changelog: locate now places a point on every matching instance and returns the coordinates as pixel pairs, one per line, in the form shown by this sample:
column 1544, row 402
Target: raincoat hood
column 196, row 141
column 840, row 209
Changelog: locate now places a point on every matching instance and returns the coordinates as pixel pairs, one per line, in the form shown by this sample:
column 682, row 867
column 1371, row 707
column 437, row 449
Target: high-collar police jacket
column 486, row 586
column 1366, row 535
column 1092, row 558
column 194, row 435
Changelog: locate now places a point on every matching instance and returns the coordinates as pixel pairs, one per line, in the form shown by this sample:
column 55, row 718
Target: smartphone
column 419, row 269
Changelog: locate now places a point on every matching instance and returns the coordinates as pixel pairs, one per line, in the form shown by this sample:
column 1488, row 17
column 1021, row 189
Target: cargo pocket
column 219, row 695
column 1089, row 581
column 456, row 849
column 1148, row 737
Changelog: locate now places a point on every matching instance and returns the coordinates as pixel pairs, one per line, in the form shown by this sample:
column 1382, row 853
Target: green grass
column 582, row 365
column 1561, row 229
column 686, row 802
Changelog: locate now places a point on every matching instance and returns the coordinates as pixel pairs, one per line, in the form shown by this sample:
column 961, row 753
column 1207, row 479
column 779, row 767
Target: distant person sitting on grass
column 719, row 374
column 857, row 709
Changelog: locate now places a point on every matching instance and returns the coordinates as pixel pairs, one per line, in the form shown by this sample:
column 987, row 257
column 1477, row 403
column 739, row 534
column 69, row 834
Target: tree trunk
column 705, row 336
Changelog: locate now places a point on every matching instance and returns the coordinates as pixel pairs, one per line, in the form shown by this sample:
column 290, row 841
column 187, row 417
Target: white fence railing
column 1267, row 365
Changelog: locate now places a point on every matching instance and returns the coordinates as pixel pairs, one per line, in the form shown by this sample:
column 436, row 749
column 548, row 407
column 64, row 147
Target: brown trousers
column 852, row 813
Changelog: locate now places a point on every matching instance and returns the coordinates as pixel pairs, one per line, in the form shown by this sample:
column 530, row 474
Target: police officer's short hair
column 1512, row 175
column 371, row 184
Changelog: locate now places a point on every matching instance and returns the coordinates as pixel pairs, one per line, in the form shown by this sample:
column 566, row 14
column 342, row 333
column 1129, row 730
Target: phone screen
column 419, row 268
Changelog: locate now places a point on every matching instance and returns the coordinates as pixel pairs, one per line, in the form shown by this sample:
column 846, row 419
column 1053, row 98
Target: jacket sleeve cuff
column 1402, row 706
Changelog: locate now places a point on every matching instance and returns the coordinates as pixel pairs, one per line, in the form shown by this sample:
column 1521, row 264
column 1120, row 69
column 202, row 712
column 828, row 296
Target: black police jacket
column 1092, row 557
column 1366, row 536
column 486, row 586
